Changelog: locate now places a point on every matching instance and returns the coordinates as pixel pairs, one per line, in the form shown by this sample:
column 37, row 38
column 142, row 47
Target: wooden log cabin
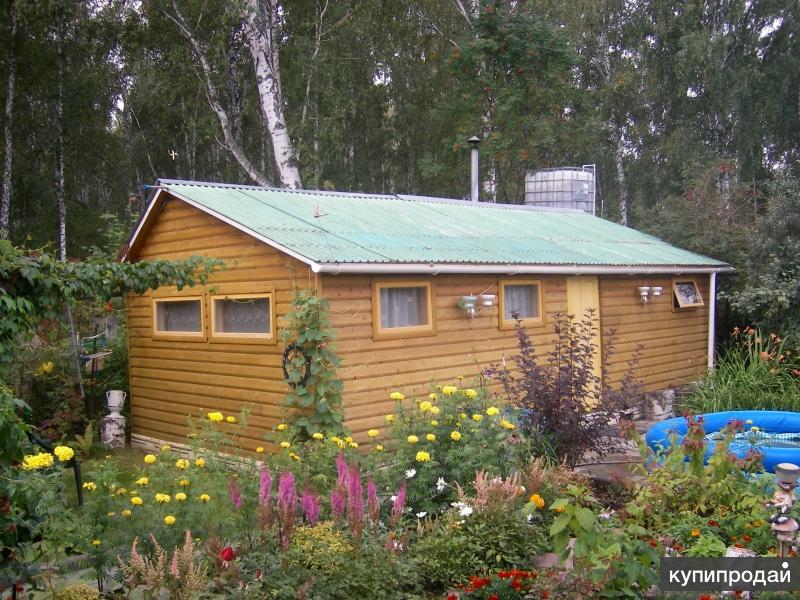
column 401, row 274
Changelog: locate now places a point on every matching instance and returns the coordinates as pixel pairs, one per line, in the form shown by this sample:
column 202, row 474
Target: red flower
column 746, row 538
column 712, row 523
column 452, row 596
column 493, row 597
column 545, row 595
column 706, row 597
column 227, row 554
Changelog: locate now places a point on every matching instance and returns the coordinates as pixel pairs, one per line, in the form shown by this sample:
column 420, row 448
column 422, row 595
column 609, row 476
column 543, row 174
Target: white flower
column 440, row 484
column 606, row 514
column 530, row 518
column 421, row 514
column 393, row 498
column 465, row 511
column 410, row 473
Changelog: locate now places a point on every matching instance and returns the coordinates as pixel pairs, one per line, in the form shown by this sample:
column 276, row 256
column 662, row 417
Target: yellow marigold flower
column 162, row 498
column 432, row 396
column 455, row 435
column 64, row 453
column 216, row 417
column 136, row 501
column 169, row 520
column 166, row 448
column 121, row 492
column 149, row 458
column 695, row 533
column 425, row 406
column 389, row 418
column 412, row 439
column 111, row 514
column 183, row 483
column 42, row 460
column 318, row 436
column 749, row 421
column 96, row 542
column 430, row 437
column 126, row 512
column 294, row 456
column 397, row 396
column 45, row 367
column 423, row 456
column 373, row 433
column 378, row 448
column 353, row 444
column 180, row 497
column 434, row 423
column 342, row 444
column 282, row 427
column 462, row 415
column 537, row 501
column 507, row 424
column 492, row 411
column 200, row 463
column 182, row 463
column 335, row 439
column 285, row 445
column 204, row 497
column 434, row 410
column 449, row 390
column 348, row 439
column 89, row 485
column 470, row 393
column 477, row 417
column 260, row 449
column 230, row 419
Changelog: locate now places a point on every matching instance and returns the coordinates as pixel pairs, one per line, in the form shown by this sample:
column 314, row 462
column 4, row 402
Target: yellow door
column 583, row 292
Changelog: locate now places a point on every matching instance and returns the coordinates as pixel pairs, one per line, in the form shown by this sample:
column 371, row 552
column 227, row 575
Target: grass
column 756, row 373
column 128, row 460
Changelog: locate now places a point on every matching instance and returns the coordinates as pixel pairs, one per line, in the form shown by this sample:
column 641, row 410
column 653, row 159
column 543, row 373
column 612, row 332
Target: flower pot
column 116, row 400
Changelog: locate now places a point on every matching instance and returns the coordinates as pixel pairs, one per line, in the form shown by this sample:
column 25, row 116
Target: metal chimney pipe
column 474, row 188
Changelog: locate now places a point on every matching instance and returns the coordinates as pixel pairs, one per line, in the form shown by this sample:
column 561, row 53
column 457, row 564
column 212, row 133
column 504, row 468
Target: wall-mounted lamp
column 648, row 291
column 473, row 304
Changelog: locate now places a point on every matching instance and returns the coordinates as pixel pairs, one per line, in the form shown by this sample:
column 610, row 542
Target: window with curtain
column 242, row 315
column 522, row 300
column 178, row 316
column 404, row 306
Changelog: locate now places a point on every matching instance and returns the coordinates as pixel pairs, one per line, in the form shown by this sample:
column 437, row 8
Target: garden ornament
column 784, row 526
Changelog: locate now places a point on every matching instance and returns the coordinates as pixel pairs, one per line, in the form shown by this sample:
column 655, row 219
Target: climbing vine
column 36, row 286
column 310, row 366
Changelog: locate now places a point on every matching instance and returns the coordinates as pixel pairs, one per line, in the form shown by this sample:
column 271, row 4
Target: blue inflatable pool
column 774, row 433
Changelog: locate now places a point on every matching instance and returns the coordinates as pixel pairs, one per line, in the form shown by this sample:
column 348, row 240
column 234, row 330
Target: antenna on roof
column 318, row 214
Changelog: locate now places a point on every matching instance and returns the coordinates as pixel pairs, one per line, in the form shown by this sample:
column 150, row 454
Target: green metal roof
column 341, row 228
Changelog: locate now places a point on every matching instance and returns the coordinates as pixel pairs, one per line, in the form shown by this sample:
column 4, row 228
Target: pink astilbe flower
column 338, row 503
column 373, row 504
column 173, row 566
column 265, row 488
column 399, row 504
column 342, row 470
column 355, row 502
column 234, row 493
column 309, row 502
column 287, row 506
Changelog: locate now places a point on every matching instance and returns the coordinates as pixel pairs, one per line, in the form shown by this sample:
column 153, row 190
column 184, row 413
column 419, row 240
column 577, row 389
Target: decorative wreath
column 292, row 352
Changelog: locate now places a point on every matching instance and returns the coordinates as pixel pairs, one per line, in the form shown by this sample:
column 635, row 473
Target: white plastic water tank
column 565, row 187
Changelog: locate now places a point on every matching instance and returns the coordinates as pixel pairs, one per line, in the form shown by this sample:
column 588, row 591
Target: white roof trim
column 511, row 269
column 235, row 224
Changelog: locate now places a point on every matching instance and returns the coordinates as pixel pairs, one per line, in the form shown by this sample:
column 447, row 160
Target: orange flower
column 695, row 533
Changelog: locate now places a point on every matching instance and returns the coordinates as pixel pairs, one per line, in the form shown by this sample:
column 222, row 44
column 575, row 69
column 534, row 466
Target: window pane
column 522, row 300
column 244, row 315
column 179, row 315
column 404, row 306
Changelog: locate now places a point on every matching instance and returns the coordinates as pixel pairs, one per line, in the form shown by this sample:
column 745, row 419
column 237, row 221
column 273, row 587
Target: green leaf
column 585, row 517
column 559, row 524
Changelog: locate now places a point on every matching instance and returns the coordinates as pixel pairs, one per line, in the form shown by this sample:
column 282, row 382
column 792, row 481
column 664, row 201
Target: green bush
column 755, row 373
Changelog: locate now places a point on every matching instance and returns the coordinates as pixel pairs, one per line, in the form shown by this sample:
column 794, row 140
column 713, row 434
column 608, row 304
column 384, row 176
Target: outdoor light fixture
column 469, row 305
column 647, row 291
column 487, row 299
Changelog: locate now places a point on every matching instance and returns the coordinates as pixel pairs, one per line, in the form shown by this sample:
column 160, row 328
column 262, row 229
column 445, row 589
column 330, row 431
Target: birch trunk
column 5, row 193
column 261, row 31
column 59, row 167
column 231, row 142
column 619, row 153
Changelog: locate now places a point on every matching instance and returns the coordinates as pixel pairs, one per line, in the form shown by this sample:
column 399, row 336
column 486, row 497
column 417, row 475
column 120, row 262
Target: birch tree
column 8, row 114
